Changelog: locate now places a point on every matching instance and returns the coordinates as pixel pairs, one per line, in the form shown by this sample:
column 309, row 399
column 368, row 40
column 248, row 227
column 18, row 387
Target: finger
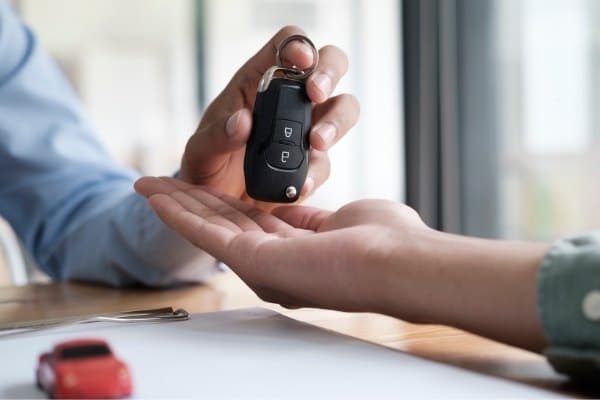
column 319, row 170
column 297, row 54
column 199, row 202
column 204, row 204
column 166, row 184
column 210, row 147
column 333, row 64
column 149, row 185
column 213, row 209
column 333, row 119
column 261, row 219
column 268, row 222
column 213, row 238
column 210, row 233
column 302, row 217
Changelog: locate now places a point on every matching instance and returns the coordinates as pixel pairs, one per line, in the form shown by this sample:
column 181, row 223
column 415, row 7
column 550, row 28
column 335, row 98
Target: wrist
column 407, row 277
column 483, row 286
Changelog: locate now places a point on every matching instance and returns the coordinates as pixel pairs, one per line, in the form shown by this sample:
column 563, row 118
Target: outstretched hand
column 295, row 256
column 370, row 255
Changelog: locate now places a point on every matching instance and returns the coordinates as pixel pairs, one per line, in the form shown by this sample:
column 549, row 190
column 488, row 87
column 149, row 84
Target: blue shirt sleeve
column 72, row 206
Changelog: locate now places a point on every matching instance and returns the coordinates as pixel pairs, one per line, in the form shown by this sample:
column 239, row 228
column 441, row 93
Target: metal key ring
column 290, row 71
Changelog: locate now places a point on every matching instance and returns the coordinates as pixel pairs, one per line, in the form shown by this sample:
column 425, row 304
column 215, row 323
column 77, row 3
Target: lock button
column 284, row 156
column 287, row 131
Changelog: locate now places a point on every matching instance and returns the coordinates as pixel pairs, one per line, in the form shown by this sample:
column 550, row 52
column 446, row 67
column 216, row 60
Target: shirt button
column 591, row 305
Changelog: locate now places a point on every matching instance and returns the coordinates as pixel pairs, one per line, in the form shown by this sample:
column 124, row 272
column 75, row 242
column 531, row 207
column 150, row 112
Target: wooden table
column 228, row 292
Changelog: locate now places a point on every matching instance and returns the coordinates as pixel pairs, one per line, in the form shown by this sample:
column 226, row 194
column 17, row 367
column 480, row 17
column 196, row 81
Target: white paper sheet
column 254, row 353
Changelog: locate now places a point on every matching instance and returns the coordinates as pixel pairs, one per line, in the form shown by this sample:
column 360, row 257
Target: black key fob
column 276, row 161
column 277, row 152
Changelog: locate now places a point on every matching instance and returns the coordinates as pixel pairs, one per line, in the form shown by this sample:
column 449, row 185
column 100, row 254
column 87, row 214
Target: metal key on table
column 277, row 153
column 165, row 314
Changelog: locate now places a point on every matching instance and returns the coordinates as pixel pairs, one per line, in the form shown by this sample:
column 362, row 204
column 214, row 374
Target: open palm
column 293, row 254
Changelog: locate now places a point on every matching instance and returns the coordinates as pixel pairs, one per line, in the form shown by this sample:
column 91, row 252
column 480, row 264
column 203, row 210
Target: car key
column 277, row 152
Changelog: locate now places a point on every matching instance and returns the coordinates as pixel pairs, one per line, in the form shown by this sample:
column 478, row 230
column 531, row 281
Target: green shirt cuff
column 580, row 365
column 569, row 303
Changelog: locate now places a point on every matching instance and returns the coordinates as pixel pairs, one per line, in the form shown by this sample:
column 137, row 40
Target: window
column 92, row 350
column 134, row 65
column 548, row 109
column 502, row 100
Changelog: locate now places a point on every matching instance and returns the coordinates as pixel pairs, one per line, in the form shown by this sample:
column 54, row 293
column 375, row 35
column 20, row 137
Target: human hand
column 297, row 256
column 214, row 155
column 370, row 255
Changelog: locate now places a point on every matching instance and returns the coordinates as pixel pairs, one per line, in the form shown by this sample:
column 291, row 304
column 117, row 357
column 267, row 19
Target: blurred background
column 482, row 114
column 146, row 69
column 548, row 113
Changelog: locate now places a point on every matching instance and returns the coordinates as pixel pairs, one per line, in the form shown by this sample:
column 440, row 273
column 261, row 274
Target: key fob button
column 287, row 131
column 284, row 156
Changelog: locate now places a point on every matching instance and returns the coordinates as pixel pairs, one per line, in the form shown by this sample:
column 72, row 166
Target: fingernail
column 306, row 50
column 232, row 123
column 323, row 82
column 327, row 133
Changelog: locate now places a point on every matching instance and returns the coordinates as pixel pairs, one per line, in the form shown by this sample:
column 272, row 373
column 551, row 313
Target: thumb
column 208, row 150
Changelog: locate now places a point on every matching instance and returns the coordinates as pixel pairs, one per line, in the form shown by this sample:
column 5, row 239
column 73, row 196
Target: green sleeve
column 569, row 304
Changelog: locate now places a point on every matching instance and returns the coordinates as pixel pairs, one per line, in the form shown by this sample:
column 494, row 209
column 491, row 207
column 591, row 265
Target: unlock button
column 287, row 131
column 284, row 156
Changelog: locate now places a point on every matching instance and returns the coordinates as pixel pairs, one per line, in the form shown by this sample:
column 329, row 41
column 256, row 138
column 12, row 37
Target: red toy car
column 83, row 368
